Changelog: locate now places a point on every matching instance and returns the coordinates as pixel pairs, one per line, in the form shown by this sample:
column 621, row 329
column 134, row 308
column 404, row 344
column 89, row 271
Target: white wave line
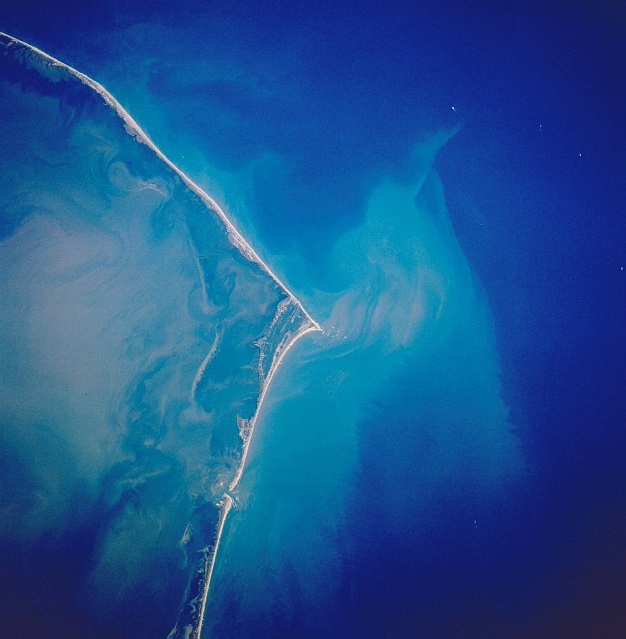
column 236, row 238
column 210, row 562
column 275, row 364
column 227, row 504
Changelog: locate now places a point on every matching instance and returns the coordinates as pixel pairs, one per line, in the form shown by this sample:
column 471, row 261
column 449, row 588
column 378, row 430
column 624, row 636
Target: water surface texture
column 138, row 337
column 373, row 250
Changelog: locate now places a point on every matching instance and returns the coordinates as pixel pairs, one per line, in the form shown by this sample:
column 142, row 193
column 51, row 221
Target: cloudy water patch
column 139, row 329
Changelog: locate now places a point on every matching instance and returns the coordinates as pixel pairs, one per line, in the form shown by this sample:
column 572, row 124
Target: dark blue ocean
column 442, row 186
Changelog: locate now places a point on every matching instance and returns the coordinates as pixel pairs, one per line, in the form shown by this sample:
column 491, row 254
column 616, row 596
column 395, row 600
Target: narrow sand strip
column 136, row 131
column 278, row 358
column 228, row 500
column 210, row 563
column 237, row 239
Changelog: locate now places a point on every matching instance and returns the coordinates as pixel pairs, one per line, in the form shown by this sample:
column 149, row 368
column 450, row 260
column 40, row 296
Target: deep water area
column 436, row 187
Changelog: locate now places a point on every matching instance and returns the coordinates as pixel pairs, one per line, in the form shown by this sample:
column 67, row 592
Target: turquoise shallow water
column 446, row 461
column 370, row 430
column 148, row 337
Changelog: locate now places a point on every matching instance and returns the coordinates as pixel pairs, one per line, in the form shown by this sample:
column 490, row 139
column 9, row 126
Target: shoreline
column 142, row 137
column 308, row 326
column 228, row 500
